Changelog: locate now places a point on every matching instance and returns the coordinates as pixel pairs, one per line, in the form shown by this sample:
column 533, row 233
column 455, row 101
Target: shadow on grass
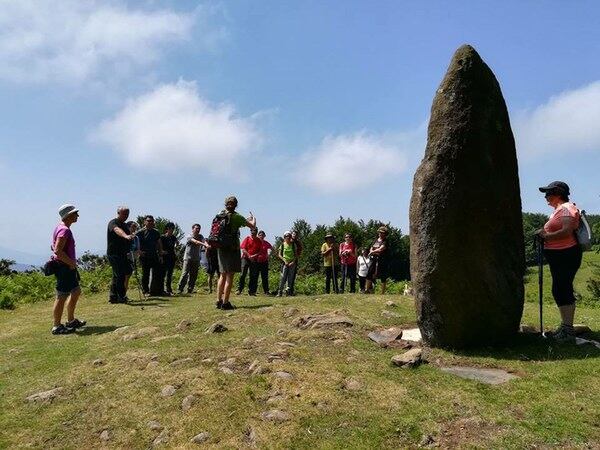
column 91, row 330
column 262, row 305
column 532, row 347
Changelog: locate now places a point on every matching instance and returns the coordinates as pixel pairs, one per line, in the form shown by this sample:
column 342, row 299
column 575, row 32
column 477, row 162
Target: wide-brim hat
column 66, row 210
column 329, row 235
column 382, row 230
column 556, row 186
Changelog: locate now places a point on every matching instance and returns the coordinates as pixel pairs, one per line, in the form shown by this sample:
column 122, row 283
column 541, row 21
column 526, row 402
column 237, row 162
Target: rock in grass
column 97, row 363
column 283, row 375
column 168, row 391
column 390, row 304
column 386, row 336
column 275, row 415
column 390, row 314
column 155, row 425
column 468, row 282
column 250, row 438
column 181, row 362
column 352, row 385
column 200, row 438
column 315, row 321
column 142, row 332
column 226, row 370
column 161, row 439
column 105, row 436
column 409, row 359
column 184, row 325
column 216, row 328
column 44, row 396
column 188, row 402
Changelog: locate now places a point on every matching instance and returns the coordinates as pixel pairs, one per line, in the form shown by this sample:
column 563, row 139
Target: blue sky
column 310, row 109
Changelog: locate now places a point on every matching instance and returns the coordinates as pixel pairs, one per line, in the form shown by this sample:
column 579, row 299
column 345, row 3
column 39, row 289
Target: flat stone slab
column 487, row 376
column 413, row 335
column 385, row 336
column 314, row 321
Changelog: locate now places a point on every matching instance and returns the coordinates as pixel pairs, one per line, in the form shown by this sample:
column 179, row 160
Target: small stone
column 390, row 314
column 277, row 356
column 390, row 304
column 155, row 425
column 181, row 362
column 316, row 321
column 216, row 328
column 168, row 390
column 412, row 334
column 352, row 385
column 411, row 358
column 581, row 329
column 184, row 325
column 253, row 366
column 228, row 362
column 286, row 344
column 14, row 351
column 97, row 363
column 105, row 436
column 152, row 365
column 281, row 332
column 154, row 357
column 161, row 439
column 487, row 376
column 426, row 441
column 275, row 415
column 188, row 402
column 250, row 437
column 289, row 312
column 45, row 396
column 226, row 370
column 200, row 438
column 259, row 370
column 207, row 361
column 284, row 375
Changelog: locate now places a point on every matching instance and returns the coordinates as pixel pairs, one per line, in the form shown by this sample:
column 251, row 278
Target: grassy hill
column 343, row 391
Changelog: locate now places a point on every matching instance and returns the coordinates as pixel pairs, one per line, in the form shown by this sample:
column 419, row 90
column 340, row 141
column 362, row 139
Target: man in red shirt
column 263, row 262
column 348, row 261
column 251, row 247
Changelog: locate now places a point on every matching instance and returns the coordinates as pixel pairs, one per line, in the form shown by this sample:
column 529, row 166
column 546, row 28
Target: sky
column 302, row 109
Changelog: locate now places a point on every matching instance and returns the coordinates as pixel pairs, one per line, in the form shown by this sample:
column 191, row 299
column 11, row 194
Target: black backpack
column 220, row 231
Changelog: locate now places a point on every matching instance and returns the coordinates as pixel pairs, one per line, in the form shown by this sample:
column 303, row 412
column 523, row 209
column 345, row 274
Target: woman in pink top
column 562, row 253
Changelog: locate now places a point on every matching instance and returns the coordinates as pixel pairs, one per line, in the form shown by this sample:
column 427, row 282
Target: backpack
column 583, row 233
column 220, row 231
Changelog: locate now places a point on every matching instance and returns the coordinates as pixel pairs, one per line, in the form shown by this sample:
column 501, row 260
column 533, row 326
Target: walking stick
column 540, row 255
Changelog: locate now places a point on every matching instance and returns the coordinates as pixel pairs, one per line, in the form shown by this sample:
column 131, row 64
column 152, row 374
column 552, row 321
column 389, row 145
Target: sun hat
column 66, row 210
column 328, row 235
column 287, row 233
column 555, row 186
column 382, row 230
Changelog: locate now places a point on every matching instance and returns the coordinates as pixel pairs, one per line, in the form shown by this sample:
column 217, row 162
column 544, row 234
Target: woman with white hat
column 67, row 277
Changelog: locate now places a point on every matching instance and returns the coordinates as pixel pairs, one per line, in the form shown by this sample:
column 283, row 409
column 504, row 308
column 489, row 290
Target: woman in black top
column 379, row 261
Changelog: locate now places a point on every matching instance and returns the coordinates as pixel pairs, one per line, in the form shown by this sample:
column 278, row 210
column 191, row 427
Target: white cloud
column 567, row 123
column 350, row 162
column 172, row 127
column 75, row 40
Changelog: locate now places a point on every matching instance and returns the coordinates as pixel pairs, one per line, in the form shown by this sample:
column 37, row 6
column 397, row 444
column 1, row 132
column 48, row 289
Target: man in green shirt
column 328, row 251
column 288, row 254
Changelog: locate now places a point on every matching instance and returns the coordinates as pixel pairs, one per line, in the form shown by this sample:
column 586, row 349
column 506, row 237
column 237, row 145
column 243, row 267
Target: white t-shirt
column 363, row 266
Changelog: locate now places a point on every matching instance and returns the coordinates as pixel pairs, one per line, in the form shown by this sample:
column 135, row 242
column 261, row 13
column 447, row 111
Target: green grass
column 554, row 403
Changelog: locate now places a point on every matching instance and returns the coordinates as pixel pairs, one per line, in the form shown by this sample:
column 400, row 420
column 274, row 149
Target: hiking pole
column 540, row 246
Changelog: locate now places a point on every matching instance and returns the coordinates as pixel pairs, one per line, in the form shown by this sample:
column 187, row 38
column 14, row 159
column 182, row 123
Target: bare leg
column 369, row 287
column 72, row 303
column 221, row 286
column 57, row 310
column 228, row 284
column 567, row 314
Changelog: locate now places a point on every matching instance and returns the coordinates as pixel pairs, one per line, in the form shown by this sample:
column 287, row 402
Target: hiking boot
column 75, row 323
column 564, row 334
column 61, row 329
column 219, row 304
column 227, row 306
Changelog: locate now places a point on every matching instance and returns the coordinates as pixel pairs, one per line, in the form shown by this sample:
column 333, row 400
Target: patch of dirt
column 466, row 431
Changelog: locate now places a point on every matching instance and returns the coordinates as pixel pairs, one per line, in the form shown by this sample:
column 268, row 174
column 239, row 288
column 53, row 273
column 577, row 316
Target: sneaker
column 61, row 329
column 227, row 306
column 219, row 304
column 75, row 323
column 564, row 334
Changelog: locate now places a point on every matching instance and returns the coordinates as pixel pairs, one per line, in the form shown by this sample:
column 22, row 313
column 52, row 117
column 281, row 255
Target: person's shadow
column 97, row 329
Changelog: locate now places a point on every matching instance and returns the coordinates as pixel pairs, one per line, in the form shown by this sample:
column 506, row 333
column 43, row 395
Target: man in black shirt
column 118, row 243
column 168, row 242
column 150, row 257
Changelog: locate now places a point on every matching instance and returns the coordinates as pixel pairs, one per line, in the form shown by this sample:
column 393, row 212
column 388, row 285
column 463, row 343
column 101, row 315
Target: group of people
column 156, row 254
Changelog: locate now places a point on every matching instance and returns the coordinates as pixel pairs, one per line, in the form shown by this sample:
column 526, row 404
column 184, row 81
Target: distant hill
column 23, row 267
column 22, row 258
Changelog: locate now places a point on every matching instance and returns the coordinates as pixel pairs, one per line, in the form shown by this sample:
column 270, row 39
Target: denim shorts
column 67, row 280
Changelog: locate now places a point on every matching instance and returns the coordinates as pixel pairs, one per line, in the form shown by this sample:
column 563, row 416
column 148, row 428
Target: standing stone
column 466, row 232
